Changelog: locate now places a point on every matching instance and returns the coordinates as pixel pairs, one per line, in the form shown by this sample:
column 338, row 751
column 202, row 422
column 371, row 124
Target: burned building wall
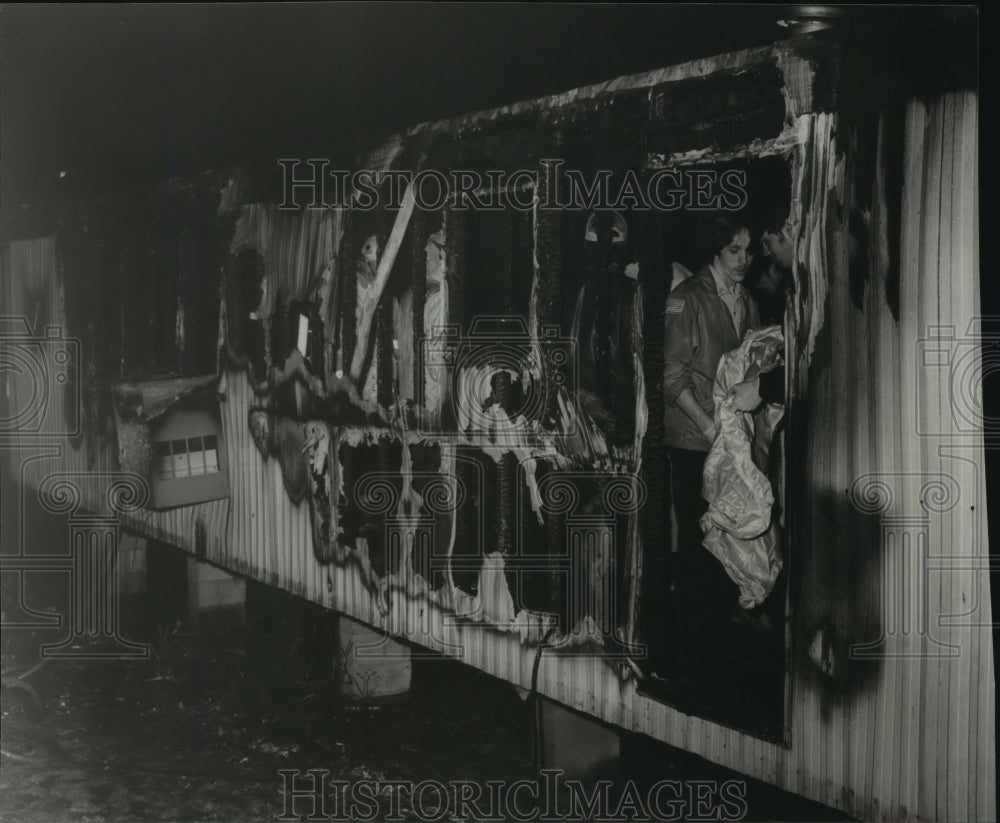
column 875, row 740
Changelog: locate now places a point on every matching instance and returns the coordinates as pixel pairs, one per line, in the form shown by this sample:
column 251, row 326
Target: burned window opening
column 601, row 306
column 695, row 600
column 245, row 330
column 475, row 518
column 430, row 558
column 537, row 538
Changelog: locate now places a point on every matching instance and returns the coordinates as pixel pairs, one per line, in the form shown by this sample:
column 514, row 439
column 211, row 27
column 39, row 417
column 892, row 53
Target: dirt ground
column 200, row 730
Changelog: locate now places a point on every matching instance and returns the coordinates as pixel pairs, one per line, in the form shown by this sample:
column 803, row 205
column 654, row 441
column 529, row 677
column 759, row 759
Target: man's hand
column 745, row 396
column 690, row 407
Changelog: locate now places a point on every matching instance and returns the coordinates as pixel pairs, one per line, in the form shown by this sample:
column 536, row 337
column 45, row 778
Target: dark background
column 98, row 98
column 101, row 98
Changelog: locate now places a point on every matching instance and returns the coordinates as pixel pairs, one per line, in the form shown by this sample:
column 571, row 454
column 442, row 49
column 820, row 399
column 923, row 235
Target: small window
column 189, row 463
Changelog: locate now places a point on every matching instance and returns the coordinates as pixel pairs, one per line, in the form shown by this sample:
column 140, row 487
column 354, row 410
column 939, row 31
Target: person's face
column 733, row 261
column 780, row 246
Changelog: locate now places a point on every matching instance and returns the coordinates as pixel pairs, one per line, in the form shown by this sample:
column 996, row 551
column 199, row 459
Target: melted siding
column 915, row 741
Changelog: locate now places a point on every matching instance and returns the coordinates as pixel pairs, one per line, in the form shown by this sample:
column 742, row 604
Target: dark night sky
column 119, row 96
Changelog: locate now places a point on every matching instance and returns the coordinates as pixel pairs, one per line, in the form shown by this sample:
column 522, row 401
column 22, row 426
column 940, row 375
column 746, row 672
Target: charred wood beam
column 508, row 463
column 548, row 282
column 725, row 110
column 455, row 258
column 386, row 355
column 521, row 260
column 603, row 308
column 556, row 582
column 469, row 548
column 655, row 519
column 419, row 229
column 381, row 553
column 348, row 284
column 385, row 384
column 548, row 308
column 455, row 263
column 468, row 534
column 371, row 301
column 784, row 143
column 557, row 107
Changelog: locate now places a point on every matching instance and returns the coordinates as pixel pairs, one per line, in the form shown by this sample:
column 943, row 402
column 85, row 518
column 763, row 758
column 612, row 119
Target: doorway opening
column 717, row 631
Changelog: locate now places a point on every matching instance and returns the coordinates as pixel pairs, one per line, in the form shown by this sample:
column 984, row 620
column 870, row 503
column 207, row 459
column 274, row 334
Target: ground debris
column 200, row 730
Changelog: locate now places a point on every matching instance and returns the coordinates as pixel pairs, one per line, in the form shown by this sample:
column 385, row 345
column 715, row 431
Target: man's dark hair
column 775, row 219
column 718, row 231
